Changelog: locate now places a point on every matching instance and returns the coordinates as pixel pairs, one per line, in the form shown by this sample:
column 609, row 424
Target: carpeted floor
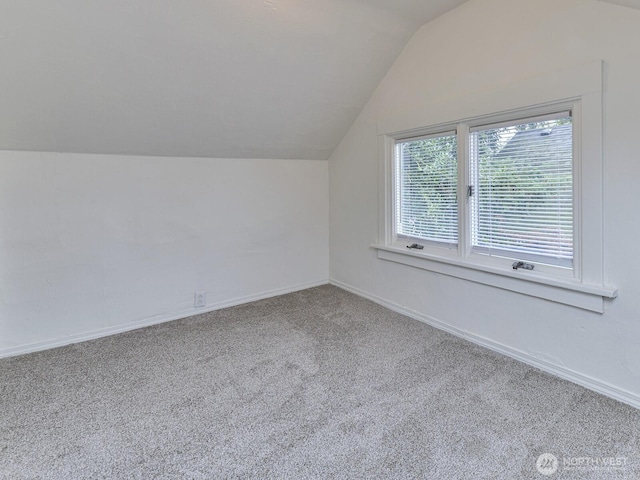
column 314, row 384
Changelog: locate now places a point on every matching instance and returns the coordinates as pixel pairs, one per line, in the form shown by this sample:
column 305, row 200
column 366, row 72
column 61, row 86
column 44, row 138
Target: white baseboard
column 146, row 322
column 567, row 374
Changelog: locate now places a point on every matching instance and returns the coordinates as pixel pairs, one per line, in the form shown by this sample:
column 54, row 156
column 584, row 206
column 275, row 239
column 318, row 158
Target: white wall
column 94, row 244
column 483, row 45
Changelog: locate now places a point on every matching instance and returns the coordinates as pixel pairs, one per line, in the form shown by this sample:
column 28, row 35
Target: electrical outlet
column 200, row 299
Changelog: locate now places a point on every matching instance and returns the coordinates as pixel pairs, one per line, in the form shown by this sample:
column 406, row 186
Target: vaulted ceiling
column 206, row 78
column 626, row 3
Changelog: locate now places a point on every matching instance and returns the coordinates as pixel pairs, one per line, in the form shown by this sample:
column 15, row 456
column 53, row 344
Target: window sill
column 565, row 291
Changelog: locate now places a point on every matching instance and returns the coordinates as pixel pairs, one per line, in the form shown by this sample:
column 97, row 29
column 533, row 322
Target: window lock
column 416, row 246
column 526, row 266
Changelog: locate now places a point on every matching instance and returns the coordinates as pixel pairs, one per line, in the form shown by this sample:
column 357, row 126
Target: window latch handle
column 416, row 246
column 526, row 266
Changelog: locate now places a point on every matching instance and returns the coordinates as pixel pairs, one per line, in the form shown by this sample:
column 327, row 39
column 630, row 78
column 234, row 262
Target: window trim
column 580, row 89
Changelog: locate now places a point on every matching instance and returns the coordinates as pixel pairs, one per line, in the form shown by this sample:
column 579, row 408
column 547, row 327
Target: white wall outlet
column 200, row 299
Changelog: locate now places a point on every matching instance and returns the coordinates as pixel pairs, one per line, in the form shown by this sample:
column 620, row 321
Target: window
column 427, row 188
column 488, row 190
column 521, row 190
column 516, row 195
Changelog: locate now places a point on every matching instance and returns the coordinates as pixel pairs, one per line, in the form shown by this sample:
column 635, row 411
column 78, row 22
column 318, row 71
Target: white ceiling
column 625, row 3
column 208, row 78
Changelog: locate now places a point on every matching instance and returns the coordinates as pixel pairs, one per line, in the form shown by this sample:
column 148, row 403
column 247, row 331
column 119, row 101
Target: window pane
column 426, row 189
column 523, row 204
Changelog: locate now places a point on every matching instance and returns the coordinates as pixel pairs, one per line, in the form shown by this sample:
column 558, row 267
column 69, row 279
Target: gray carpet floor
column 314, row 384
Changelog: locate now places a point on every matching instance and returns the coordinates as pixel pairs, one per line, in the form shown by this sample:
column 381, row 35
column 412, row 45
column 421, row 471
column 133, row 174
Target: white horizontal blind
column 522, row 199
column 426, row 204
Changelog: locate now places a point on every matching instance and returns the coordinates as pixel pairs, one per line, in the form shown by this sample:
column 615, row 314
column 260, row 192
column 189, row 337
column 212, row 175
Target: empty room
column 291, row 239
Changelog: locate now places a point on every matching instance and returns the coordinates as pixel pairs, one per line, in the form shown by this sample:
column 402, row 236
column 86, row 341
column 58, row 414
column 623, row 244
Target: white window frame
column 425, row 136
column 579, row 90
column 526, row 116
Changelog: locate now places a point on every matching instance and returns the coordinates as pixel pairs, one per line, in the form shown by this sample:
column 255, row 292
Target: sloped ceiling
column 625, row 3
column 207, row 78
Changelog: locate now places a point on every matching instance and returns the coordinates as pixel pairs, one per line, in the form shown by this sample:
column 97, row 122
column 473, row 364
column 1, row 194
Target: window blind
column 522, row 201
column 426, row 188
